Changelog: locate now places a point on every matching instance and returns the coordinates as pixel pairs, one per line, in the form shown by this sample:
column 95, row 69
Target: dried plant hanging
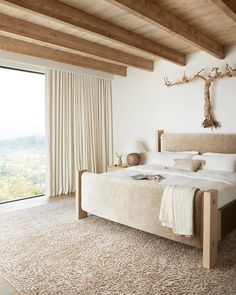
column 209, row 121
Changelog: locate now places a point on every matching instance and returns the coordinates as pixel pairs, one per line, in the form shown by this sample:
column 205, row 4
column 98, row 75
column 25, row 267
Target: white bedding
column 224, row 182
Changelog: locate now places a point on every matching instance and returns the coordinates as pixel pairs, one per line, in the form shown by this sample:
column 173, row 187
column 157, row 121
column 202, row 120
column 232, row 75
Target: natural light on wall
column 22, row 150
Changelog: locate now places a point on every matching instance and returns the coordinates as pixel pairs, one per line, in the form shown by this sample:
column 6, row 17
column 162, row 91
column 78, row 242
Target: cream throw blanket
column 176, row 209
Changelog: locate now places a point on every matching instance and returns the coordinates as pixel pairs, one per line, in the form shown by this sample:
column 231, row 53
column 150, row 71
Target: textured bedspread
column 224, row 182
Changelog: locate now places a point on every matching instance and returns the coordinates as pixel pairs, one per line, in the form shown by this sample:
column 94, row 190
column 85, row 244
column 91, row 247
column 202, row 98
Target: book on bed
column 147, row 177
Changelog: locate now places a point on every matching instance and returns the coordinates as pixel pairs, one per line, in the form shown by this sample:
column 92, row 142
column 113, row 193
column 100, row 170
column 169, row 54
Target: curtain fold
column 78, row 128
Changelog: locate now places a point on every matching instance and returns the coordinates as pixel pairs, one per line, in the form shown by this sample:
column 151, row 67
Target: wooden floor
column 27, row 203
column 22, row 204
column 5, row 287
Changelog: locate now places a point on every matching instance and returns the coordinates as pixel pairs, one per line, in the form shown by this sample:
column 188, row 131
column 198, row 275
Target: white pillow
column 218, row 162
column 167, row 159
column 193, row 153
column 219, row 154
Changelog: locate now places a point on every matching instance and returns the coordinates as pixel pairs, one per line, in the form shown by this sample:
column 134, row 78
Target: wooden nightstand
column 115, row 168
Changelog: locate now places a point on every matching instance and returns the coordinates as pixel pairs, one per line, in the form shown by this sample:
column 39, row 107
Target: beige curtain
column 78, row 128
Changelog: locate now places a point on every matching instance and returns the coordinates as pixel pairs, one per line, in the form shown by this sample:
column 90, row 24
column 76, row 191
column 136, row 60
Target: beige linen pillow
column 187, row 164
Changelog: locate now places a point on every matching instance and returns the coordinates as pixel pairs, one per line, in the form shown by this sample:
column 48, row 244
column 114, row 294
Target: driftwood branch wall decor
column 209, row 121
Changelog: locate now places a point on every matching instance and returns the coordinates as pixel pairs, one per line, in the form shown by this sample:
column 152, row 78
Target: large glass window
column 22, row 147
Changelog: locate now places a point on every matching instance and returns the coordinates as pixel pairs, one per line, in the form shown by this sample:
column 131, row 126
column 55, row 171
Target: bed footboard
column 143, row 214
column 135, row 204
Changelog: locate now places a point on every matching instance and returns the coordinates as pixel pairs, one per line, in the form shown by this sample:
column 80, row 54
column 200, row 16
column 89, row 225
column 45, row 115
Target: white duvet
column 224, row 182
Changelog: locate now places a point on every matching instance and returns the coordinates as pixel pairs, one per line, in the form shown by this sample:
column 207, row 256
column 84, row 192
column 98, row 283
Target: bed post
column 158, row 140
column 210, row 228
column 80, row 213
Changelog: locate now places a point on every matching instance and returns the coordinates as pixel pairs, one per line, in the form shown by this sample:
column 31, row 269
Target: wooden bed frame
column 216, row 222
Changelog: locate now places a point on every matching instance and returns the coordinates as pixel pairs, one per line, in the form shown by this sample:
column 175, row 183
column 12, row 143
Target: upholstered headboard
column 202, row 142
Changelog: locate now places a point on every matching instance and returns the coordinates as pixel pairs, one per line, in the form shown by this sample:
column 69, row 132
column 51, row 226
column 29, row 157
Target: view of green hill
column 22, row 167
column 35, row 143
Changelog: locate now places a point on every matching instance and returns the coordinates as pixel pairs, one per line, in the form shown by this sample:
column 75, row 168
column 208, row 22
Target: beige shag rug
column 45, row 250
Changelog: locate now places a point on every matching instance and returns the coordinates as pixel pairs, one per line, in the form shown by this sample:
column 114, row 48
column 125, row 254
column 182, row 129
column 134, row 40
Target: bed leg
column 80, row 213
column 158, row 140
column 210, row 228
column 219, row 226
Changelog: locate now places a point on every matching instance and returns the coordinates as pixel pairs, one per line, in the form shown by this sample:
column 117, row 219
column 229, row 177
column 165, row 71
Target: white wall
column 142, row 103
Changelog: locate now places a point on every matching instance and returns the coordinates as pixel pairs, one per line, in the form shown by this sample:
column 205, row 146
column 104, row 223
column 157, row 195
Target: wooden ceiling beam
column 29, row 49
column 31, row 31
column 153, row 14
column 71, row 16
column 228, row 7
